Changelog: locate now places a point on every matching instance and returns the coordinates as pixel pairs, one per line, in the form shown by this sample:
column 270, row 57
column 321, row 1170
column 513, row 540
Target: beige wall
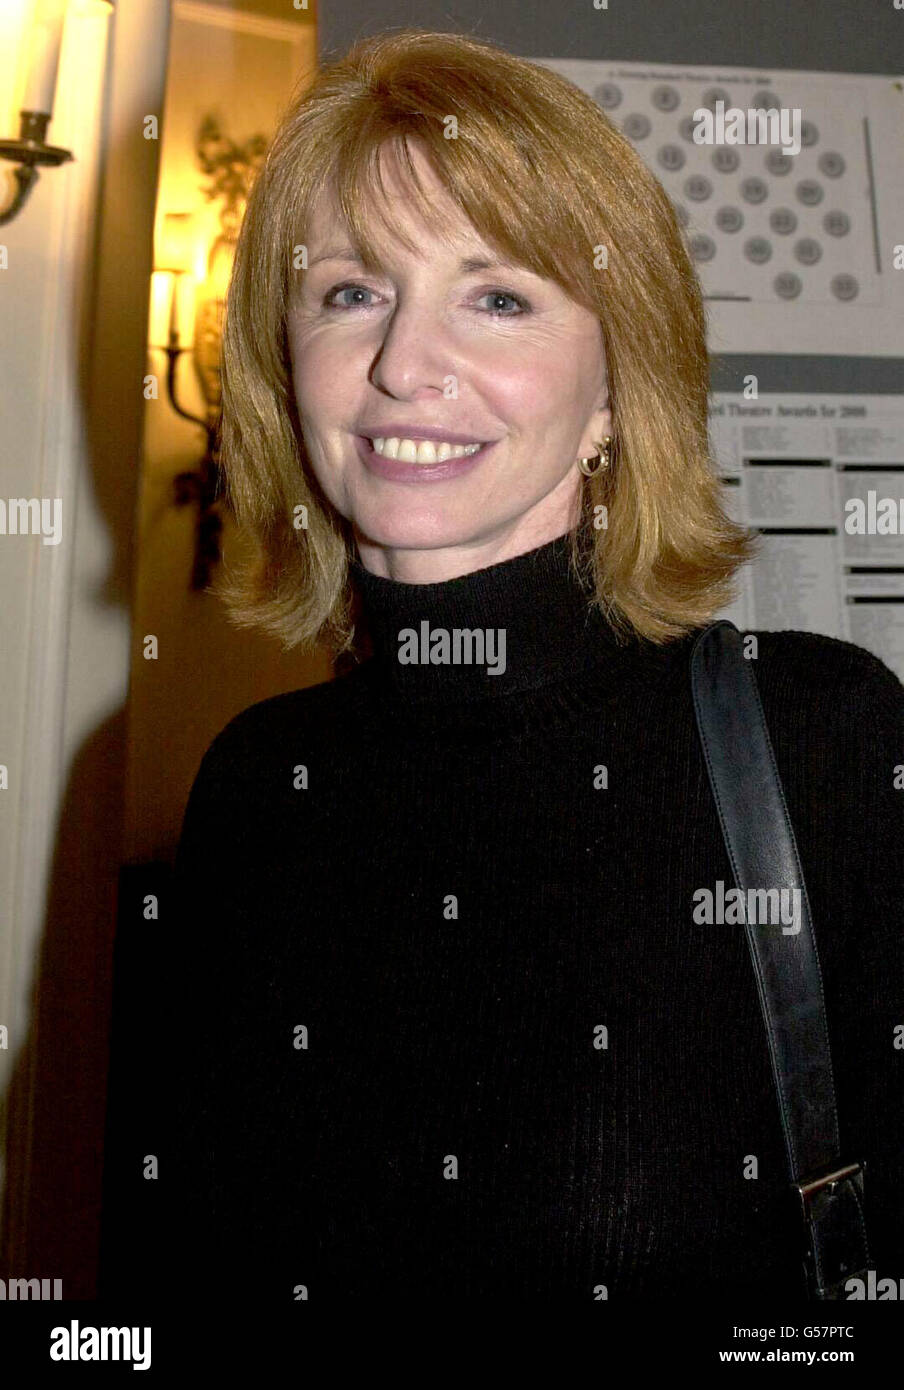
column 74, row 306
column 241, row 68
column 93, row 783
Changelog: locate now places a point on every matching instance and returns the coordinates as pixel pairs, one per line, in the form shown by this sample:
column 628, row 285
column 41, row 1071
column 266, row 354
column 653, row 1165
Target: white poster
column 795, row 223
column 822, row 479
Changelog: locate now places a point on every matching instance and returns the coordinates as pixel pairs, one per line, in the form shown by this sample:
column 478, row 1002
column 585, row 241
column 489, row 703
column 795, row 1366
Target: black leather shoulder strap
column 763, row 853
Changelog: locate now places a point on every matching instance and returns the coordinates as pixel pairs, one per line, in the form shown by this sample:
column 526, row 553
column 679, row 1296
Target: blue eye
column 505, row 305
column 356, row 303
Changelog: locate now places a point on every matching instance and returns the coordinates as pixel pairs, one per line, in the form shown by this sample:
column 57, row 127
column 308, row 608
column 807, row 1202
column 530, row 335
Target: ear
column 598, row 426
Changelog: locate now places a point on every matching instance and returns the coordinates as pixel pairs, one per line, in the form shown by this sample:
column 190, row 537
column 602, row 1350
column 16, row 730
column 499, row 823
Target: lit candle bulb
column 44, row 58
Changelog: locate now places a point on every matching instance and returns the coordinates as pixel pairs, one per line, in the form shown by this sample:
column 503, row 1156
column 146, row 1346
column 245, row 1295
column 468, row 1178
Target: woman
column 451, row 1026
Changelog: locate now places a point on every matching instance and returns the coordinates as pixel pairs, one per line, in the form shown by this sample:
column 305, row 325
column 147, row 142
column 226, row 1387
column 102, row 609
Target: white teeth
column 421, row 450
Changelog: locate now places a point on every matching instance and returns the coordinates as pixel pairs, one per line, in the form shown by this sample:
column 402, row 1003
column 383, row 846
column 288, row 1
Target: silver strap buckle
column 811, row 1187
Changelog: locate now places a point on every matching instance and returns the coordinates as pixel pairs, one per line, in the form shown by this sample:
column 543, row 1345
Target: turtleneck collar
column 517, row 625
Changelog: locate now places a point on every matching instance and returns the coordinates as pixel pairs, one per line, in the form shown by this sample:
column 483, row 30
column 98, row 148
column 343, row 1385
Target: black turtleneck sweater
column 452, row 881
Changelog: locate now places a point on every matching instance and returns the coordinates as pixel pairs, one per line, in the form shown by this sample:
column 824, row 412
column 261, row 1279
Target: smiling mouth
column 421, row 450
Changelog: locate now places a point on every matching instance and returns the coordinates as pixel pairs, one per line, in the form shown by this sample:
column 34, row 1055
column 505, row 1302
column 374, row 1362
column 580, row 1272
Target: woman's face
column 444, row 349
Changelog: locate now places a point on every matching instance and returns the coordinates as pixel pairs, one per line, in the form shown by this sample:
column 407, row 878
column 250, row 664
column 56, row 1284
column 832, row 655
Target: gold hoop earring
column 602, row 454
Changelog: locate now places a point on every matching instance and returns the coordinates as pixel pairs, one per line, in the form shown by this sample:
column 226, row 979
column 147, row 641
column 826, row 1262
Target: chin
column 421, row 528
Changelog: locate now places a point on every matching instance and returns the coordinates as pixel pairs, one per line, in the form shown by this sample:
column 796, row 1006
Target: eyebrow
column 335, row 253
column 469, row 265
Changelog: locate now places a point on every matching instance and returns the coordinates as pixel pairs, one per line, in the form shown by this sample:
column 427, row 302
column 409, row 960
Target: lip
column 396, row 430
column 396, row 471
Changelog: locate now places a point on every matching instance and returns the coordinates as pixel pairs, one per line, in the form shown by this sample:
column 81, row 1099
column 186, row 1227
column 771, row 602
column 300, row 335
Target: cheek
column 541, row 392
column 326, row 378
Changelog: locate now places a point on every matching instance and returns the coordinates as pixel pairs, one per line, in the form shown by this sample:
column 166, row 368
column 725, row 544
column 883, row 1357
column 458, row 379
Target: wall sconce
column 30, row 150
column 188, row 306
column 180, row 323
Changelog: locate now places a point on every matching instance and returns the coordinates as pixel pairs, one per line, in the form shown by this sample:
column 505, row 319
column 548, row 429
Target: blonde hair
column 545, row 177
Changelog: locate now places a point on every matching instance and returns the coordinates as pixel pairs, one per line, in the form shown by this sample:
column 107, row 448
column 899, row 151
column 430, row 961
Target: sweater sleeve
column 231, row 1158
column 836, row 716
column 878, row 930
column 202, row 1010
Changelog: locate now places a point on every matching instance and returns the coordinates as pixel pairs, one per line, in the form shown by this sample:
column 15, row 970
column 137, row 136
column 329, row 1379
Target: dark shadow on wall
column 52, row 1195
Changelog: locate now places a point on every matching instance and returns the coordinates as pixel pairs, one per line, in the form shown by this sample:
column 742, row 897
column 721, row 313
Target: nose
column 415, row 355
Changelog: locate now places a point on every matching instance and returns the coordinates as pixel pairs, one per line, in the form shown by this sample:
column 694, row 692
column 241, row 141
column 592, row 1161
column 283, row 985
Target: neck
column 550, row 518
column 518, row 624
